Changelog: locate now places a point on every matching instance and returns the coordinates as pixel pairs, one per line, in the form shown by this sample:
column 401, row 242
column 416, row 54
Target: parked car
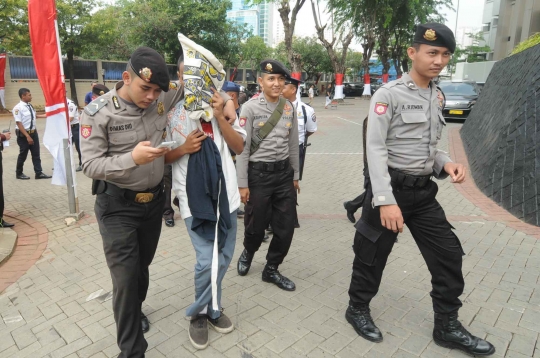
column 460, row 96
column 355, row 89
column 304, row 88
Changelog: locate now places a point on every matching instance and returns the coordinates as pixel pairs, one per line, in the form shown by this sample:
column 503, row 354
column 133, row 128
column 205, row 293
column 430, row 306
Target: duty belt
column 30, row 131
column 130, row 195
column 270, row 166
column 407, row 180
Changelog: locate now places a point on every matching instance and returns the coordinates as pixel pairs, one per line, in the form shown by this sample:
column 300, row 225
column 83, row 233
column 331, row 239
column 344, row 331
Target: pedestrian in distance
column 404, row 125
column 121, row 135
column 27, row 135
column 268, row 172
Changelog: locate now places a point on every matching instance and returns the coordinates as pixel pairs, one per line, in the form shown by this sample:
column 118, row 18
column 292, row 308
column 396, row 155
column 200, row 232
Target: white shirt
column 24, row 112
column 73, row 111
column 179, row 125
column 310, row 124
column 310, row 92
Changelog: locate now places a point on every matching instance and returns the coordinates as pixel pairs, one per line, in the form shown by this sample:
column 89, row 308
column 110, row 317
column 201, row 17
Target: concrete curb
column 8, row 241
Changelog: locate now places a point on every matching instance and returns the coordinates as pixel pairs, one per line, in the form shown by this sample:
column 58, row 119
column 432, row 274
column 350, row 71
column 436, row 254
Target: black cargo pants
column 433, row 234
column 130, row 233
column 272, row 200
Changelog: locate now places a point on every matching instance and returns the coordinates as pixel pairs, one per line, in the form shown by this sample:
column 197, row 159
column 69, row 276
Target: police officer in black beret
column 121, row 132
column 99, row 90
column 404, row 125
column 268, row 171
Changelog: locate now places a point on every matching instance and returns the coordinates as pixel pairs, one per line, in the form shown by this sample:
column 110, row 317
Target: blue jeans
column 203, row 268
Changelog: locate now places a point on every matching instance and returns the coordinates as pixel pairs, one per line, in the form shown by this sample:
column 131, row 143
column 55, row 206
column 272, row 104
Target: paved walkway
column 56, row 300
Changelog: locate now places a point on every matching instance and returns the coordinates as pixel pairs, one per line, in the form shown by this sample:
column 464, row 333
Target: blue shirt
column 88, row 97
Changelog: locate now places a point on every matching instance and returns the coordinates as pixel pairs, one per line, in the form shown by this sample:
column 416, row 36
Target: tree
column 338, row 43
column 14, row 36
column 72, row 17
column 315, row 60
column 284, row 9
column 354, row 64
column 254, row 50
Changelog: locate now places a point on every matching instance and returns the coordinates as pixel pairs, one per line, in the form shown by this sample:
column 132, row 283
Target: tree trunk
column 405, row 65
column 72, row 87
column 294, row 58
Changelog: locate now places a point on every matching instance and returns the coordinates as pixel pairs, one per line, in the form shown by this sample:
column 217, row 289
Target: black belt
column 130, row 195
column 270, row 166
column 76, row 124
column 407, row 180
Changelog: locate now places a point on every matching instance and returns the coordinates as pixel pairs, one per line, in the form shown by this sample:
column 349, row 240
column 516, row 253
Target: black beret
column 435, row 34
column 229, row 86
column 293, row 81
column 274, row 67
column 99, row 89
column 150, row 67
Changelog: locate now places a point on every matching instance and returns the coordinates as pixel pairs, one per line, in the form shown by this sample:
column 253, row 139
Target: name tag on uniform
column 412, row 108
column 121, row 127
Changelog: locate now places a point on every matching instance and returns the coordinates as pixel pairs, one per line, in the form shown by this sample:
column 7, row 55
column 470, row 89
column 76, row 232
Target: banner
column 202, row 71
column 2, row 79
column 338, row 92
column 46, row 52
column 367, row 85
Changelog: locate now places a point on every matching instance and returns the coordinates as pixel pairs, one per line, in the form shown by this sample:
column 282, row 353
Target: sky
column 470, row 15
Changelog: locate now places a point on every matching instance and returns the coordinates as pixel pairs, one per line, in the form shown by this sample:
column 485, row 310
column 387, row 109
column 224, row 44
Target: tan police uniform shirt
column 405, row 123
column 280, row 144
column 110, row 135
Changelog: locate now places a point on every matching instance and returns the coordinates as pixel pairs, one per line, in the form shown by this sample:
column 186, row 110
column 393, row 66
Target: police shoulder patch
column 94, row 106
column 380, row 108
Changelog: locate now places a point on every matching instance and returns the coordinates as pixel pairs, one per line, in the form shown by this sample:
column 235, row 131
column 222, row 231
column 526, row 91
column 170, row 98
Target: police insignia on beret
column 430, row 35
column 146, row 74
column 269, row 67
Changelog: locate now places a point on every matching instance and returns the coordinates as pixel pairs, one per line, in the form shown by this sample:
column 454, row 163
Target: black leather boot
column 449, row 333
column 272, row 275
column 244, row 262
column 360, row 318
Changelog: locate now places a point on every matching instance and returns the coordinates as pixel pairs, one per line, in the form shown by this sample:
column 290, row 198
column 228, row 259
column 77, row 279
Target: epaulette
column 94, row 106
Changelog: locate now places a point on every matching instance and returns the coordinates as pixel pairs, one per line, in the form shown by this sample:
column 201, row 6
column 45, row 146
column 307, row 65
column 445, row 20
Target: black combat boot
column 244, row 262
column 360, row 318
column 272, row 275
column 449, row 333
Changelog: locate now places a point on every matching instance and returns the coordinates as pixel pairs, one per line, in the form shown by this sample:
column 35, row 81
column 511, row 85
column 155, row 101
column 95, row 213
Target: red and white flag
column 48, row 63
column 2, row 79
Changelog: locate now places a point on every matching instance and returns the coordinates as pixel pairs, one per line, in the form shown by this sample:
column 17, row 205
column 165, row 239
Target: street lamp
column 452, row 70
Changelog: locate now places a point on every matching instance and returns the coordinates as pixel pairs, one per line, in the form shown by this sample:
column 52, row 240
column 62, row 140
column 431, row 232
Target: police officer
column 307, row 121
column 405, row 123
column 268, row 171
column 27, row 136
column 121, row 132
column 99, row 90
column 74, row 122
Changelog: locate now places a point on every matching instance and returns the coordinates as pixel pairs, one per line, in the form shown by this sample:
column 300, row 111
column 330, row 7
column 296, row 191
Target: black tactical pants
column 272, row 200
column 75, row 132
column 130, row 233
column 433, row 234
column 168, row 211
column 24, row 148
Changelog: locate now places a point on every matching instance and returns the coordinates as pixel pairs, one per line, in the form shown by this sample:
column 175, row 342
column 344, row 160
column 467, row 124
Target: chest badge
column 160, row 108
column 164, row 134
column 288, row 124
column 261, row 124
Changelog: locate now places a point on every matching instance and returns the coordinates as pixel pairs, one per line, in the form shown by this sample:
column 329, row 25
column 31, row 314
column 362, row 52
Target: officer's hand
column 296, row 186
column 30, row 140
column 244, row 195
column 456, row 171
column 8, row 135
column 391, row 218
column 143, row 153
column 193, row 142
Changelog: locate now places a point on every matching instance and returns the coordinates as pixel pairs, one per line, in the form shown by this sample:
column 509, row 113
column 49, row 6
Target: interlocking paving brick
column 501, row 269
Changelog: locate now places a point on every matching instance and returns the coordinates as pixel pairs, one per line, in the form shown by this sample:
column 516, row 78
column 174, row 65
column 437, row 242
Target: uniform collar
column 409, row 83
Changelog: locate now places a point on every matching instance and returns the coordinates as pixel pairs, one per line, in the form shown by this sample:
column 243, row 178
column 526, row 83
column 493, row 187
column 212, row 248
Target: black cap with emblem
column 99, row 90
column 435, row 34
column 150, row 66
column 274, row 67
column 292, row 81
